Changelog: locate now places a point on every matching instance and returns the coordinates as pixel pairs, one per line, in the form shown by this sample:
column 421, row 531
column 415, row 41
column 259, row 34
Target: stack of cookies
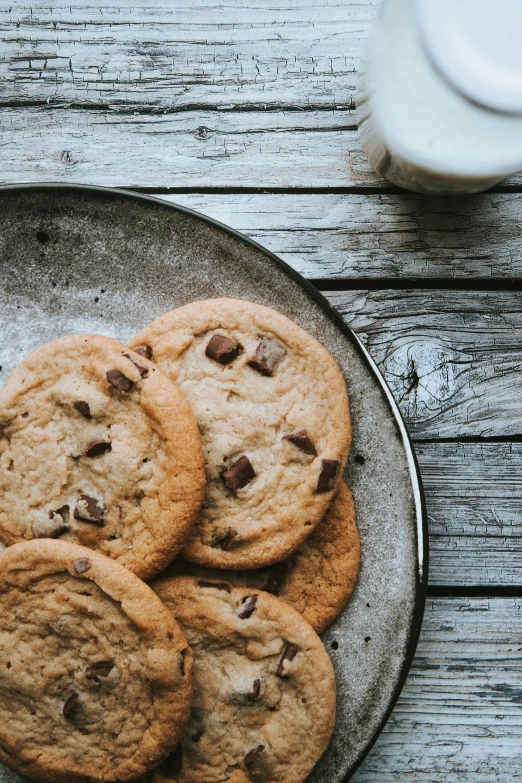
column 207, row 460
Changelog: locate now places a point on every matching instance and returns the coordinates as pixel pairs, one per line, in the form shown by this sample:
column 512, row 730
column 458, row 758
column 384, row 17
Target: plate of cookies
column 214, row 548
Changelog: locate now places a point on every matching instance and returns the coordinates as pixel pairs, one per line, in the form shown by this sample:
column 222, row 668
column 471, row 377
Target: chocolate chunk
column 216, row 585
column 102, row 669
column 119, row 381
column 256, row 689
column 142, row 370
column 53, row 529
column 172, row 764
column 57, row 532
column 60, row 529
column 247, row 608
column 239, row 474
column 197, row 735
column 71, row 704
column 289, row 654
column 144, row 350
column 302, row 442
column 226, row 542
column 223, row 349
column 253, row 755
column 97, row 447
column 90, row 510
column 328, row 475
column 82, row 565
column 268, row 354
column 277, row 577
column 83, row 408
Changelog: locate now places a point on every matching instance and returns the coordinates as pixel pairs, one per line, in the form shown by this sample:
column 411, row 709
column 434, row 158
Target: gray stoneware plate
column 81, row 259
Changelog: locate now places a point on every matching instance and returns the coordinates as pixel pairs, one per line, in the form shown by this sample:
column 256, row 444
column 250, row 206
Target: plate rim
column 421, row 517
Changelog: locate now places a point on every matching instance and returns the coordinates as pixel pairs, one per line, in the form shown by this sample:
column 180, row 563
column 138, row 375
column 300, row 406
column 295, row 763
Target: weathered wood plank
column 131, row 70
column 193, row 148
column 458, row 719
column 378, row 235
column 474, row 503
column 453, row 359
column 253, row 149
column 154, row 54
column 473, row 489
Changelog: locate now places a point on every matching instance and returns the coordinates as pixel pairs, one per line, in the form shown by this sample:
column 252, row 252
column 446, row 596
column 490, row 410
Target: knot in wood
column 67, row 158
column 202, row 133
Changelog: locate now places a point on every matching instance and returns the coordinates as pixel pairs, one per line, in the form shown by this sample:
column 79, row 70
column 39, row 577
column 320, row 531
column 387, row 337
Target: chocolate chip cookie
column 264, row 691
column 98, row 447
column 317, row 579
column 273, row 414
column 96, row 675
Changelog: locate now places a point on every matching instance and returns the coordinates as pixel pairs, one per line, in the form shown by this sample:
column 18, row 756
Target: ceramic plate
column 80, row 259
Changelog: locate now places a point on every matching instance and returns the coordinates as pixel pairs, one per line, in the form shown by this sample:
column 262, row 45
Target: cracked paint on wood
column 162, row 56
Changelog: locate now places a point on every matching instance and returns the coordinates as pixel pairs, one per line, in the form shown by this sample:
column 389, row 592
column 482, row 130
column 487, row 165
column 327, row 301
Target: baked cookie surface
column 264, row 690
column 96, row 675
column 98, row 447
column 273, row 414
column 317, row 579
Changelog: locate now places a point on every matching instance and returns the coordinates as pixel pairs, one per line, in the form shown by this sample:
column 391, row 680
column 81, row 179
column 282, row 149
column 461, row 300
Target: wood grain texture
column 159, row 55
column 189, row 149
column 186, row 149
column 336, row 236
column 474, row 503
column 139, row 94
column 458, row 719
column 151, row 94
column 453, row 359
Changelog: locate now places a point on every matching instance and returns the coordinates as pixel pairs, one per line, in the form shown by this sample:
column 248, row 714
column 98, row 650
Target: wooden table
column 244, row 110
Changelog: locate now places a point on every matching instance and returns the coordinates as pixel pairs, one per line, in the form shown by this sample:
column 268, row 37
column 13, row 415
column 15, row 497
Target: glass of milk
column 439, row 104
